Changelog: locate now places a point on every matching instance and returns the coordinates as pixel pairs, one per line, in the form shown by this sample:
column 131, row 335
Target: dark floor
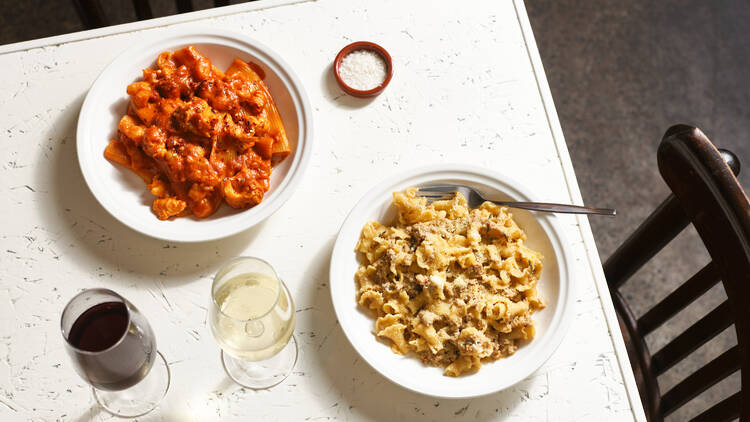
column 621, row 73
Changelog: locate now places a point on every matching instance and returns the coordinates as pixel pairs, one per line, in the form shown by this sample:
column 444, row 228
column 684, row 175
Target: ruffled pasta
column 456, row 286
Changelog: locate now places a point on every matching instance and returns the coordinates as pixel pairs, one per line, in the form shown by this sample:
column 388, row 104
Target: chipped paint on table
column 465, row 89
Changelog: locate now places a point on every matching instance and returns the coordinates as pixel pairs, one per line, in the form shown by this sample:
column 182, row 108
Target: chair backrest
column 92, row 14
column 706, row 193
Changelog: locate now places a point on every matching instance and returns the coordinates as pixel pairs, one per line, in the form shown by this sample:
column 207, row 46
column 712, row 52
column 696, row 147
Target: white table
column 468, row 87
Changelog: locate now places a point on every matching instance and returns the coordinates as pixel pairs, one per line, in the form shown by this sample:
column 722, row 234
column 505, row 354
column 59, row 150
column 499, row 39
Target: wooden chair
column 92, row 14
column 706, row 193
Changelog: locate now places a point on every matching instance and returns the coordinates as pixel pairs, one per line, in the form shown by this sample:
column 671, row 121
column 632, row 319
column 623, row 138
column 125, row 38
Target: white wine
column 252, row 317
column 255, row 316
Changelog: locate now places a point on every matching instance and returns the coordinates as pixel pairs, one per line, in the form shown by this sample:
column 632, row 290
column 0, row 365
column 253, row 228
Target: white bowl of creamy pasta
column 543, row 236
column 126, row 197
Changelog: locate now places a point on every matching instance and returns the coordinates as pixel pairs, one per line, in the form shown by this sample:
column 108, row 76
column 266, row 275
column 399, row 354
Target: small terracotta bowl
column 363, row 45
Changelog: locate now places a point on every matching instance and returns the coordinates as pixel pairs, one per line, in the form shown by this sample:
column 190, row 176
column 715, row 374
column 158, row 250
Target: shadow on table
column 333, row 92
column 85, row 234
column 361, row 389
column 91, row 413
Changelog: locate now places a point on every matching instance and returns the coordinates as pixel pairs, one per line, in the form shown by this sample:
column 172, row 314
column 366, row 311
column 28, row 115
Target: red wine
column 100, row 327
column 118, row 349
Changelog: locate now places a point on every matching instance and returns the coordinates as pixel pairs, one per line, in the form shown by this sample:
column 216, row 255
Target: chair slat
column 724, row 411
column 184, row 6
column 142, row 9
column 91, row 13
column 666, row 222
column 694, row 337
column 701, row 380
column 683, row 296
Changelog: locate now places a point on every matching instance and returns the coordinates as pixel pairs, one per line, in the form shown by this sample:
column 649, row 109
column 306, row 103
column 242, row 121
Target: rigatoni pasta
column 456, row 286
column 197, row 136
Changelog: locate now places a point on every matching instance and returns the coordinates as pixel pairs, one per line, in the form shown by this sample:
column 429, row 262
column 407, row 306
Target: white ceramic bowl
column 124, row 194
column 544, row 235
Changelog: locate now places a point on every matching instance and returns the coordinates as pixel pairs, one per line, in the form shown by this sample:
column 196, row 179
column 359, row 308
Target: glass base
column 262, row 374
column 140, row 398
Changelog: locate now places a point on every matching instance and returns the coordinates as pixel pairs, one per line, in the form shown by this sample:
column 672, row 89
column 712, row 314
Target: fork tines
column 439, row 188
column 437, row 193
column 447, row 195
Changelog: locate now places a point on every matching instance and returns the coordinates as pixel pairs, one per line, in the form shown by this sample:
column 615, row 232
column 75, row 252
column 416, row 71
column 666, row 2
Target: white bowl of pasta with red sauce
column 544, row 234
column 122, row 192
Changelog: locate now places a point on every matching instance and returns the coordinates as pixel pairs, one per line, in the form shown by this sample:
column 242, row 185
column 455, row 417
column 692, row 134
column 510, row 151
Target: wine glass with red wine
column 113, row 348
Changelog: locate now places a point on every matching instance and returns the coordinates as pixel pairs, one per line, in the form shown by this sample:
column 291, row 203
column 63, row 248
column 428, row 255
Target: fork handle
column 559, row 208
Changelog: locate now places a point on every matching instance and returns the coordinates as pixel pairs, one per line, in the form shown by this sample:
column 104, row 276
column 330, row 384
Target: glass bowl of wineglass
column 113, row 348
column 252, row 317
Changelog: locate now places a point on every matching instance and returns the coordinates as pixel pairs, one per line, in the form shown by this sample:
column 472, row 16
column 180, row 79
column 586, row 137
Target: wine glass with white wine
column 252, row 317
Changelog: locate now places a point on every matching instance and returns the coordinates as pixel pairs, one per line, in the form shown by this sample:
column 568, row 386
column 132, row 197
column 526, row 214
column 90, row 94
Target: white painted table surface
column 468, row 87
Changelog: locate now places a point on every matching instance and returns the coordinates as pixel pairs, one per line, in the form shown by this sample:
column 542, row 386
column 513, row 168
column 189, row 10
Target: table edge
column 574, row 192
column 145, row 24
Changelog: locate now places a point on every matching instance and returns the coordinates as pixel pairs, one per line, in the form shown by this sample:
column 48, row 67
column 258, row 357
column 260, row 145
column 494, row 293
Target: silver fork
column 475, row 199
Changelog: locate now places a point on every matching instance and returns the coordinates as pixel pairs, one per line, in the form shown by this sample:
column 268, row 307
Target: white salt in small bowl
column 363, row 69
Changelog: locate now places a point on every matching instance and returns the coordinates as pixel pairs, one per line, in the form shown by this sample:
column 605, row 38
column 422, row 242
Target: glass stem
column 254, row 328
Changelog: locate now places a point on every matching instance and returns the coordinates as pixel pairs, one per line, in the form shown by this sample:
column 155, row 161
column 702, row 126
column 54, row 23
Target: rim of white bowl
column 227, row 38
